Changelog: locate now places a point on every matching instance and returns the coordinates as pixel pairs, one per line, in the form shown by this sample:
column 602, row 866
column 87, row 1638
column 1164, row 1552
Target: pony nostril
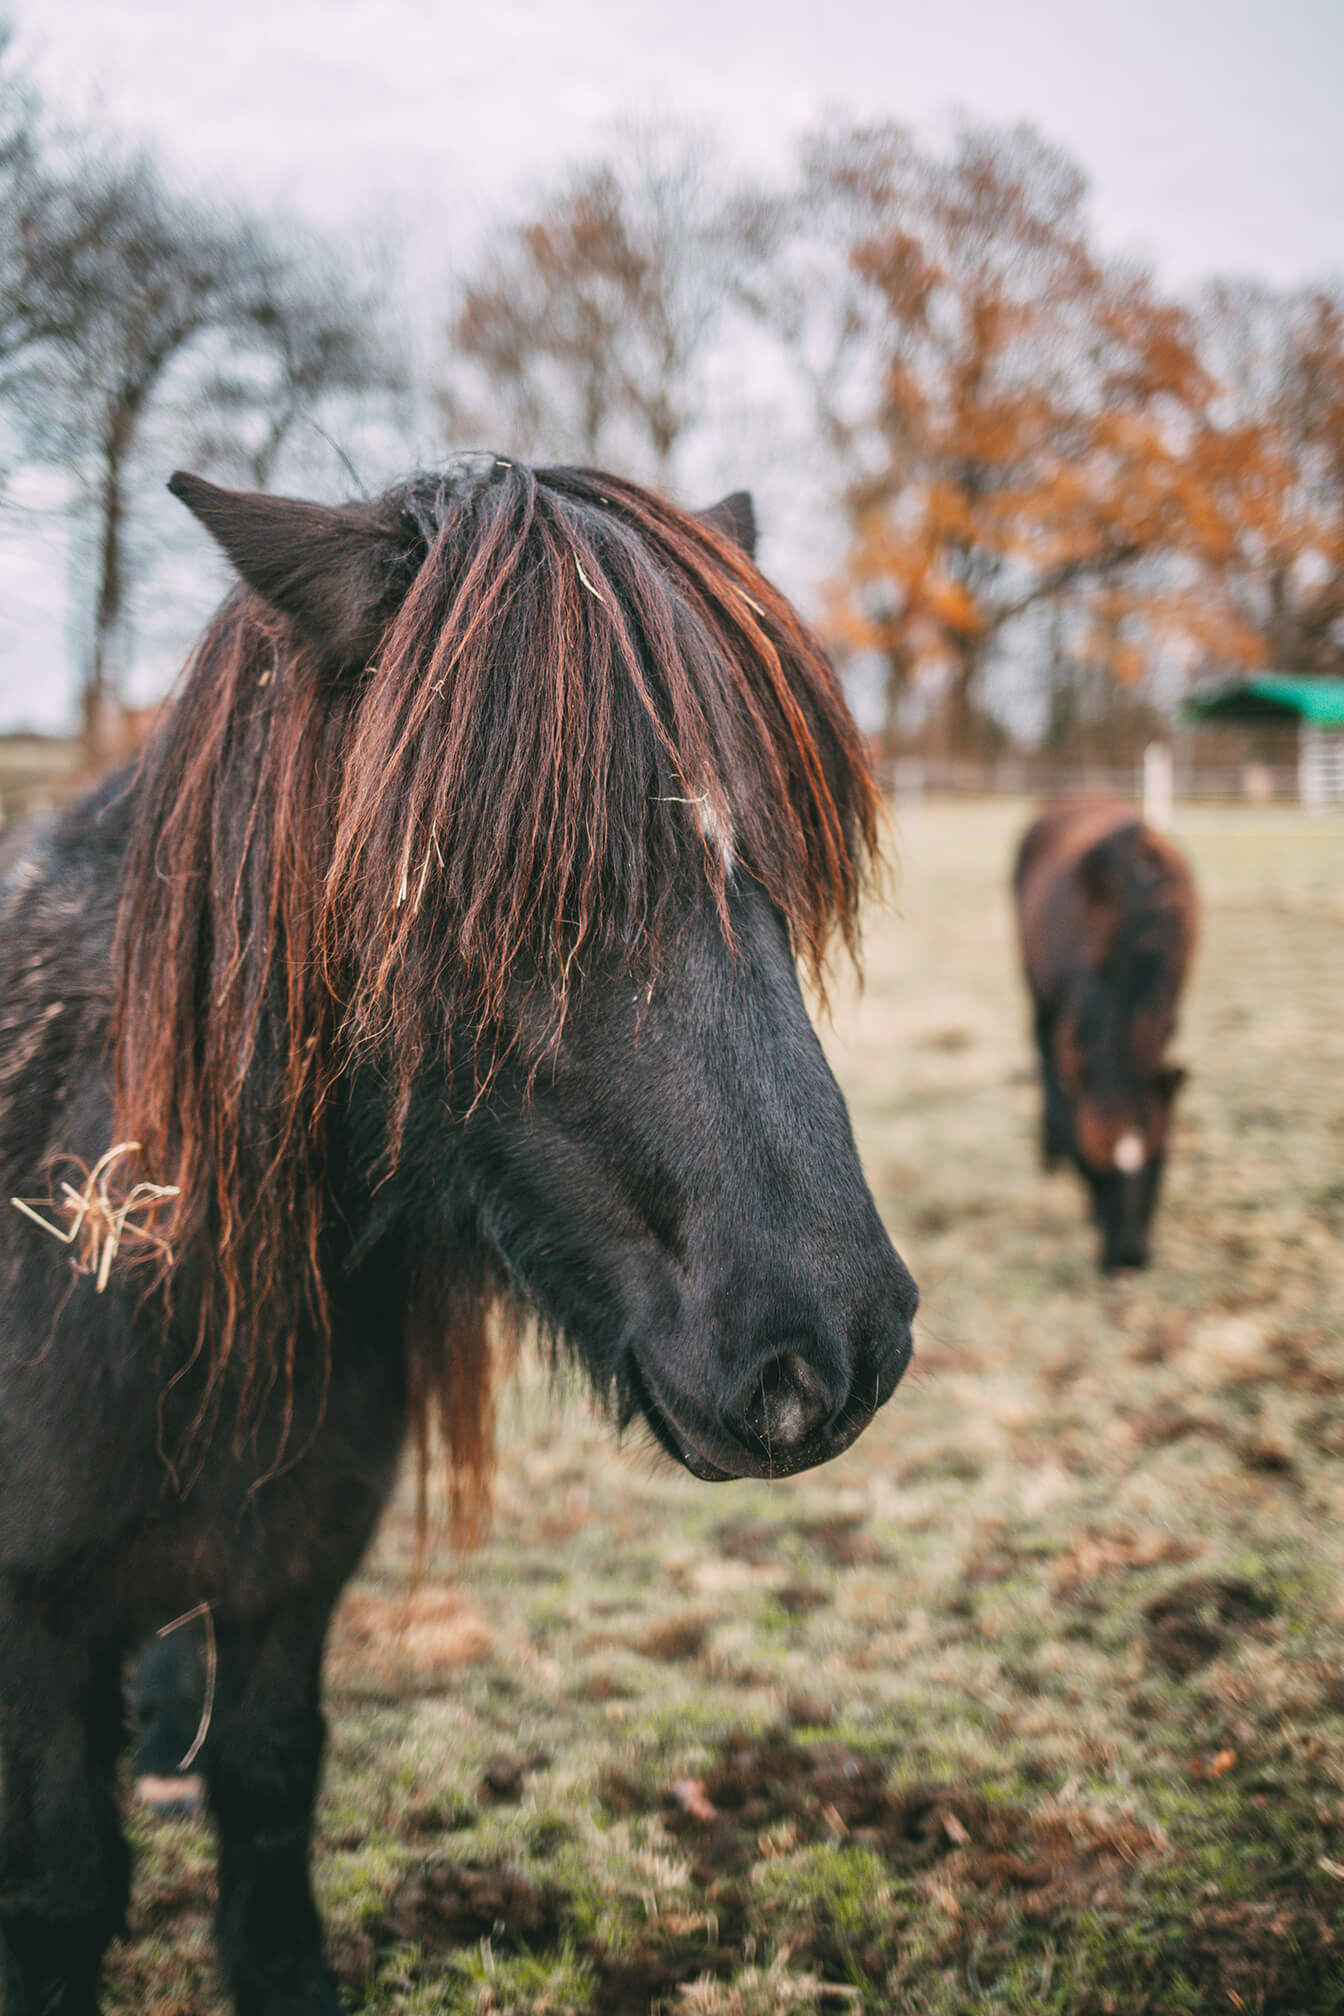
column 782, row 1406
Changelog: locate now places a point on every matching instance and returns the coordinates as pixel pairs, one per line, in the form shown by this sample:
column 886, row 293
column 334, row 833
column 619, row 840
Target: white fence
column 1161, row 779
column 1320, row 768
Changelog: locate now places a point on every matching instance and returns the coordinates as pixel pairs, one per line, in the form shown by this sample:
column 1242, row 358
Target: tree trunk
column 895, row 686
column 594, row 413
column 100, row 698
column 959, row 723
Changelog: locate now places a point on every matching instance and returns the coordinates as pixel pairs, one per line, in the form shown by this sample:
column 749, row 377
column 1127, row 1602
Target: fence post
column 907, row 781
column 1157, row 780
column 1320, row 768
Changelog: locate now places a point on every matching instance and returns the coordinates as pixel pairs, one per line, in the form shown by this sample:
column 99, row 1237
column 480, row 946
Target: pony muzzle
column 788, row 1414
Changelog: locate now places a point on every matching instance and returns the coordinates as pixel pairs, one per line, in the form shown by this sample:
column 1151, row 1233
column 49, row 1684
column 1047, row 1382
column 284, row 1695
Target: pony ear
column 337, row 573
column 735, row 517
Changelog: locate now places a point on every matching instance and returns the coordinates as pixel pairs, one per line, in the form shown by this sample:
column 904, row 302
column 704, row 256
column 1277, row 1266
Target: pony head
column 461, row 935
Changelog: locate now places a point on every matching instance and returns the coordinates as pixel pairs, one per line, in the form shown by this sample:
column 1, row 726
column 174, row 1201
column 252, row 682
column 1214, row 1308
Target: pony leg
column 64, row 1864
column 261, row 1762
column 1056, row 1136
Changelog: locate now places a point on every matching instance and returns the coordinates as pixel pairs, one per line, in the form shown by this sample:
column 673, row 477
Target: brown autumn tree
column 586, row 329
column 1273, row 458
column 1029, row 432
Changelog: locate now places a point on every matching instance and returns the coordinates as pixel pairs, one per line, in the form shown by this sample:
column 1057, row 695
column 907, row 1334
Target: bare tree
column 123, row 301
column 587, row 327
column 309, row 342
column 35, row 216
column 137, row 288
column 838, row 327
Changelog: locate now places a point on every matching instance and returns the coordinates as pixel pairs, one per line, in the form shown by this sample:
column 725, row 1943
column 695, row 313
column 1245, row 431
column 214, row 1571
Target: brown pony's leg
column 1055, row 1136
column 64, row 1864
column 261, row 1761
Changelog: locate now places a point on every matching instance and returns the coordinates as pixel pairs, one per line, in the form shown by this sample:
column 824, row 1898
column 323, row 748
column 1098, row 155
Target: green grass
column 1078, row 1591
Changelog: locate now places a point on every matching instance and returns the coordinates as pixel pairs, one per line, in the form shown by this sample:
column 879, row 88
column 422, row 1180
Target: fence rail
column 1035, row 777
column 37, row 772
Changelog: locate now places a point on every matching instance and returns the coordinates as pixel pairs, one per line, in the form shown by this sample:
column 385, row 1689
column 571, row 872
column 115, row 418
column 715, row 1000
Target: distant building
column 1315, row 704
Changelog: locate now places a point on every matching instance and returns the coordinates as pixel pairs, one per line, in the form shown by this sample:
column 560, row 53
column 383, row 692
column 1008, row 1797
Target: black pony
column 1106, row 912
column 439, row 956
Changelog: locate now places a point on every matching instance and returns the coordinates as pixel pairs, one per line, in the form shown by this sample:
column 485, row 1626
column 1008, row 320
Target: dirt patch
column 1093, row 1555
column 803, row 1711
column 452, row 1904
column 172, row 1906
column 755, row 1541
column 1158, row 1427
column 1267, row 1955
column 827, row 1790
column 431, row 1819
column 937, row 1219
column 1270, row 1956
column 449, row 1904
column 502, row 1780
column 1052, row 1861
column 1268, row 1458
column 1297, row 1367
column 841, row 1543
column 996, row 1558
column 1161, row 1338
column 951, row 1041
column 1191, row 1624
column 350, row 1956
column 799, row 1599
column 1325, row 1432
column 387, row 1642
column 674, row 1638
column 645, row 1974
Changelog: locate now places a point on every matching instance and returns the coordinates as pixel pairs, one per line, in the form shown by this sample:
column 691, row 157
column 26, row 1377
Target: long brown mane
column 582, row 700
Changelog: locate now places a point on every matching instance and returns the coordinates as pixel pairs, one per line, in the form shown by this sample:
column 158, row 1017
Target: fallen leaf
column 690, row 1794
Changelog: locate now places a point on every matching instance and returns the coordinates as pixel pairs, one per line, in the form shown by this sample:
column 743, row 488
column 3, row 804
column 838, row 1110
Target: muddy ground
column 1032, row 1702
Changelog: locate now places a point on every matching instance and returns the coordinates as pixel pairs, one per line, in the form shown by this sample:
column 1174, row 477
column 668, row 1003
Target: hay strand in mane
column 97, row 1223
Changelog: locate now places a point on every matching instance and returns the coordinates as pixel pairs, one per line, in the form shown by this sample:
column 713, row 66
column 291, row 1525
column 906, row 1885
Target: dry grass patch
column 1034, row 1701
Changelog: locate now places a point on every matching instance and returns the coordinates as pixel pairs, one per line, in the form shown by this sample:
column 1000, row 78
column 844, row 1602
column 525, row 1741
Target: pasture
column 1033, row 1701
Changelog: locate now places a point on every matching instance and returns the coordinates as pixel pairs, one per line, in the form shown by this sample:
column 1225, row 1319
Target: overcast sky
column 1210, row 129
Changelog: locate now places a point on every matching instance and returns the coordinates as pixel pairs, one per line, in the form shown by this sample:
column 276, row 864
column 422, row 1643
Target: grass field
column 1032, row 1702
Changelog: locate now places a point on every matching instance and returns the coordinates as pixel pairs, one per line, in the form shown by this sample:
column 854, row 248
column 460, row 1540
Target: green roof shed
column 1261, row 696
column 1317, row 705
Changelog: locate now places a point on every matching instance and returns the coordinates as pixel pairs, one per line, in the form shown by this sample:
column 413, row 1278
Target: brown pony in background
column 1106, row 912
